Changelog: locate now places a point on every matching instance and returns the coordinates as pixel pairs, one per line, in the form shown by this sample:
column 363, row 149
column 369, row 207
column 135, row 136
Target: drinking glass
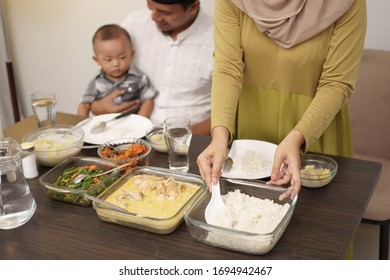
column 177, row 135
column 44, row 107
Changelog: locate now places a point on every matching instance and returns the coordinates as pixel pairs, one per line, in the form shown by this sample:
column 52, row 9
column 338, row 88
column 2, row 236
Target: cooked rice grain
column 251, row 163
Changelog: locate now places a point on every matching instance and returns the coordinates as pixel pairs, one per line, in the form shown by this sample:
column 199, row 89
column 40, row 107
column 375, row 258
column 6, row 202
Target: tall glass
column 44, row 105
column 177, row 135
column 17, row 205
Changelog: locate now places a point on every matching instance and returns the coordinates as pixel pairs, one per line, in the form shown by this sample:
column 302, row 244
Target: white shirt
column 180, row 70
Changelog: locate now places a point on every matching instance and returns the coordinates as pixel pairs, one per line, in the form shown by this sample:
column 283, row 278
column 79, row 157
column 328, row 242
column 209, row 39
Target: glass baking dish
column 232, row 239
column 160, row 225
column 76, row 196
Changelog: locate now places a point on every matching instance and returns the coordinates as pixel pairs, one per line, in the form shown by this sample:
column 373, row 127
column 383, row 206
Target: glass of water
column 44, row 107
column 177, row 135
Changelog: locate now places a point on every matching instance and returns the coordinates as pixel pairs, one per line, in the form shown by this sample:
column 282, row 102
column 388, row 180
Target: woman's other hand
column 287, row 164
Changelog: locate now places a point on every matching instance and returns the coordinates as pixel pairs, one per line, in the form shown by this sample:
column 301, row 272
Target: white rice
column 251, row 214
column 251, row 163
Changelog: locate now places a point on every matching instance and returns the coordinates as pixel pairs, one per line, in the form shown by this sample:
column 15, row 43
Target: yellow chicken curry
column 153, row 196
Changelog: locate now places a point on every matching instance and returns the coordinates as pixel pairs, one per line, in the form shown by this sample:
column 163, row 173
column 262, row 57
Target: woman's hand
column 106, row 105
column 210, row 161
column 287, row 164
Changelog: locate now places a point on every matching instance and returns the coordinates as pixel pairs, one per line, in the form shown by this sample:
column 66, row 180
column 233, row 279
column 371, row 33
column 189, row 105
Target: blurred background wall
column 50, row 45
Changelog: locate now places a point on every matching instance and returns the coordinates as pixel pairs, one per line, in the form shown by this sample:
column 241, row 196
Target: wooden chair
column 370, row 113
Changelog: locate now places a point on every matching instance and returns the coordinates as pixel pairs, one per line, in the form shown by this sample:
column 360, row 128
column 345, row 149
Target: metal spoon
column 78, row 125
column 81, row 177
column 91, row 147
column 100, row 126
column 215, row 206
column 227, row 165
column 108, row 205
column 98, row 146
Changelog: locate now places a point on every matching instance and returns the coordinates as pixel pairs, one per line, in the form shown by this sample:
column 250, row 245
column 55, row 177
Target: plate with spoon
column 249, row 159
column 116, row 126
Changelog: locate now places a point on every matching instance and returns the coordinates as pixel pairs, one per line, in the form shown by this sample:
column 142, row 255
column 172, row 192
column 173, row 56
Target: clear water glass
column 177, row 135
column 44, row 106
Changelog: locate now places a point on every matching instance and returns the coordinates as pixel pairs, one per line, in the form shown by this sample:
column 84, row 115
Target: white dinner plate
column 133, row 126
column 252, row 159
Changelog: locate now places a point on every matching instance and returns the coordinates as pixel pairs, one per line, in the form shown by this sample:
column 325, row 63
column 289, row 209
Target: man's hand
column 106, row 105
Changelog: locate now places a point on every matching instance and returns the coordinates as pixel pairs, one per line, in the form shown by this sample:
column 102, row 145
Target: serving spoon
column 215, row 206
column 81, row 177
column 100, row 126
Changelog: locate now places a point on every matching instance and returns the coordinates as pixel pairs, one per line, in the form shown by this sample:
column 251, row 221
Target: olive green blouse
column 263, row 91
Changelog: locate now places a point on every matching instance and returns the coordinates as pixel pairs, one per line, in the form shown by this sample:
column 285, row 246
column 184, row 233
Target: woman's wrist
column 297, row 137
column 221, row 134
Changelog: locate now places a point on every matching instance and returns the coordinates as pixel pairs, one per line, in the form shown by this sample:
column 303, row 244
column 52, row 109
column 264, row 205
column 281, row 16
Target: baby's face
column 114, row 57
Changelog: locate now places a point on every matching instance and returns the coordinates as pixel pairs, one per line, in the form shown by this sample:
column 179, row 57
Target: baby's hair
column 110, row 32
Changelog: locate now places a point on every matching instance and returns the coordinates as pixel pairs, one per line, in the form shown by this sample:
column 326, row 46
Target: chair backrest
column 369, row 106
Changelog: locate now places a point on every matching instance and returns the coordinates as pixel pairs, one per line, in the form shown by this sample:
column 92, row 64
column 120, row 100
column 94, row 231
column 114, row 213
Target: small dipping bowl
column 317, row 171
column 155, row 137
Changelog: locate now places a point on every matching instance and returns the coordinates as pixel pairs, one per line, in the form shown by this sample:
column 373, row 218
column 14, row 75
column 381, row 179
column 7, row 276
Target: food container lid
column 27, row 146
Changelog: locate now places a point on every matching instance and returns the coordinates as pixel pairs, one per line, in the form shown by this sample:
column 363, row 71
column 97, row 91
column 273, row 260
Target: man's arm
column 83, row 109
column 203, row 127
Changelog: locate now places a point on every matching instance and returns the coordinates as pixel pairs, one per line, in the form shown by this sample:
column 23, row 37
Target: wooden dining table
column 322, row 227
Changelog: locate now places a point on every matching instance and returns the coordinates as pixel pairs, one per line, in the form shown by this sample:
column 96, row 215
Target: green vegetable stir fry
column 66, row 179
column 92, row 185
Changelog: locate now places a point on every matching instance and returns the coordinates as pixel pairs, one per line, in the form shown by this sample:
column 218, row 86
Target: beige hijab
column 290, row 22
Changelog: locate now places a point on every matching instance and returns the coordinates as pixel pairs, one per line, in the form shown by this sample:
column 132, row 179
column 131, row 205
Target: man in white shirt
column 173, row 41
